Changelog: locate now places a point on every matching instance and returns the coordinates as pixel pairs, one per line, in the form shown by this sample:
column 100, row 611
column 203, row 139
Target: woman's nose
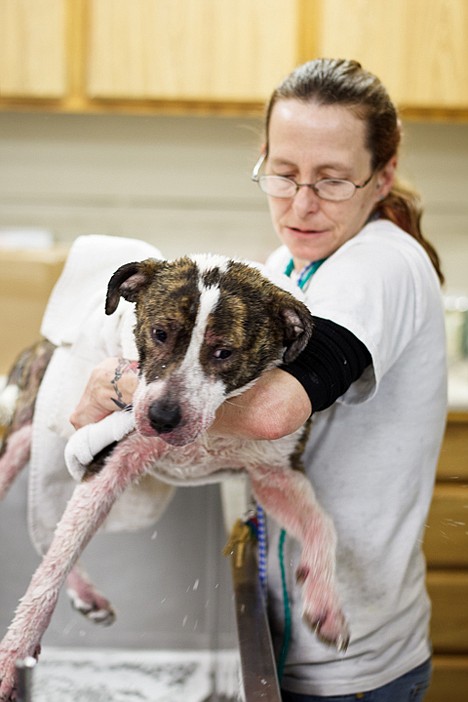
column 305, row 200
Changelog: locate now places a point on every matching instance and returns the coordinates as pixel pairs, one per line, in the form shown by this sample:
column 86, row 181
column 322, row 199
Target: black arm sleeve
column 332, row 360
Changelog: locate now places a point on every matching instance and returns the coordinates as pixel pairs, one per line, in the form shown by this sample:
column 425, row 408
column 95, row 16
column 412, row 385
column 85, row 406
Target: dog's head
column 207, row 328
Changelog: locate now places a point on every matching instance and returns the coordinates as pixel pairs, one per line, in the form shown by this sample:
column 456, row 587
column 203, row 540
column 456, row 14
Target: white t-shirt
column 371, row 458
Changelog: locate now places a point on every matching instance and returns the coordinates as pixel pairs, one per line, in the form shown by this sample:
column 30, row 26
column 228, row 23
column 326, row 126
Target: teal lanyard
column 302, row 280
column 306, row 274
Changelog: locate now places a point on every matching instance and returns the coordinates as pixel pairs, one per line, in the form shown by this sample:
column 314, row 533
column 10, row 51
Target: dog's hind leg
column 15, row 455
column 17, row 404
column 85, row 512
column 86, row 599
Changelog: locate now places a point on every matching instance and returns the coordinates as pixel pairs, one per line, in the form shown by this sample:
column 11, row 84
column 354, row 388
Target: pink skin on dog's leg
column 15, row 457
column 84, row 596
column 88, row 507
column 289, row 498
column 86, row 599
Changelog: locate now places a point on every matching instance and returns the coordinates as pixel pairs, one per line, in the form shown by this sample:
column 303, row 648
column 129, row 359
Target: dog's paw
column 7, row 682
column 7, row 689
column 9, row 674
column 322, row 609
column 92, row 605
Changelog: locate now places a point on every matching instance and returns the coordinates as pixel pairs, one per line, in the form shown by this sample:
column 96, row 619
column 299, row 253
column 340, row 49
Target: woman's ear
column 386, row 178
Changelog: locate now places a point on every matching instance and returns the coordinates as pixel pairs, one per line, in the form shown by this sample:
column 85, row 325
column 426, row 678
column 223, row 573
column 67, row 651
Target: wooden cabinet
column 417, row 47
column 224, row 55
column 26, row 281
column 146, row 55
column 204, row 50
column 446, row 548
column 33, row 48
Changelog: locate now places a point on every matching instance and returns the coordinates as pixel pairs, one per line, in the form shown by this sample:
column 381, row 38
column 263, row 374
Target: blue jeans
column 411, row 687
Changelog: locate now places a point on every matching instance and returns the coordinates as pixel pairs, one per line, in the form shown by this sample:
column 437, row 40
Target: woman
column 373, row 377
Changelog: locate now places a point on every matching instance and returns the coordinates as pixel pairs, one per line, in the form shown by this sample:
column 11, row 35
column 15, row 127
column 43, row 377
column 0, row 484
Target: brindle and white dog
column 207, row 328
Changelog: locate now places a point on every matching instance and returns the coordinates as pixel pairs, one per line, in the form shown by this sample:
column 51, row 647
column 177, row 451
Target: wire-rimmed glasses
column 335, row 189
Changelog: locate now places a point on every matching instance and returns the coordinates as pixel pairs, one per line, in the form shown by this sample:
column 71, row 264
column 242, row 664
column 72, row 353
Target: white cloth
column 75, row 321
column 372, row 459
column 88, row 441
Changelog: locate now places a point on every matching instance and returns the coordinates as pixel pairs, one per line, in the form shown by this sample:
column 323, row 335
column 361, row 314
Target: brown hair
column 343, row 82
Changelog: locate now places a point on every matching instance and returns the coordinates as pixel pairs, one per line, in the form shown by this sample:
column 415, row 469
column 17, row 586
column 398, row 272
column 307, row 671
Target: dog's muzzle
column 164, row 416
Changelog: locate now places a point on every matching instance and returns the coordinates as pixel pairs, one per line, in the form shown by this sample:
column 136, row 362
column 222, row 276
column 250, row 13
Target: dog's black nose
column 164, row 417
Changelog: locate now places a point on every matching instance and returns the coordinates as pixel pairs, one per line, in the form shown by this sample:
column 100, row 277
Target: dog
column 207, row 327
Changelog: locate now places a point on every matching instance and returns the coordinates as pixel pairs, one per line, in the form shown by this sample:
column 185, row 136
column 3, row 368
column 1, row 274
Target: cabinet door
column 214, row 50
column 417, row 47
column 453, row 459
column 448, row 590
column 436, row 55
column 445, row 538
column 33, row 48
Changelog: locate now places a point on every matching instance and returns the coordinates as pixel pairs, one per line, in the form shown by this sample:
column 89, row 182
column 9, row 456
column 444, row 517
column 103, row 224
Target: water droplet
column 196, row 584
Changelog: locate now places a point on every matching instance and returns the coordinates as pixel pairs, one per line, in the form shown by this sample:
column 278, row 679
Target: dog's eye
column 158, row 335
column 222, row 353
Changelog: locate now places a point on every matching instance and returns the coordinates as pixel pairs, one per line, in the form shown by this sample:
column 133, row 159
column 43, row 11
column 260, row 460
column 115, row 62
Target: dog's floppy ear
column 128, row 281
column 298, row 325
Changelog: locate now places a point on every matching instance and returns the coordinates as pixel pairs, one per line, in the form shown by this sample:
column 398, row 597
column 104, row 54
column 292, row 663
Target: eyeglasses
column 335, row 189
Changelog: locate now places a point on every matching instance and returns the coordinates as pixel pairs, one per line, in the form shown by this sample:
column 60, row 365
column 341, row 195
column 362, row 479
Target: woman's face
column 308, row 142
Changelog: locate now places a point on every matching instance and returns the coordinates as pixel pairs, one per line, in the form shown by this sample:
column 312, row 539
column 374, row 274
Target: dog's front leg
column 289, row 498
column 85, row 512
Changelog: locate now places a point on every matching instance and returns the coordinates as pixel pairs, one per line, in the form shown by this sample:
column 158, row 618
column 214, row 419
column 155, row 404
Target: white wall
column 181, row 183
column 184, row 182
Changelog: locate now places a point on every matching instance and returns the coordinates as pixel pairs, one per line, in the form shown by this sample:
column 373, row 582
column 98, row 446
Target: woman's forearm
column 275, row 406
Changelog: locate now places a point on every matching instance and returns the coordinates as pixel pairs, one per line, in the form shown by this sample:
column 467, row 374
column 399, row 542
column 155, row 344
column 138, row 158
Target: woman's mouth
column 296, row 231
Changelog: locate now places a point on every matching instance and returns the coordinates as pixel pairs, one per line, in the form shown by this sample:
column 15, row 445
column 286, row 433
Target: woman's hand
column 111, row 386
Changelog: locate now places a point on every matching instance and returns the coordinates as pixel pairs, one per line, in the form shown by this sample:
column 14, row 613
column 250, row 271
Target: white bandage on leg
column 86, row 443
